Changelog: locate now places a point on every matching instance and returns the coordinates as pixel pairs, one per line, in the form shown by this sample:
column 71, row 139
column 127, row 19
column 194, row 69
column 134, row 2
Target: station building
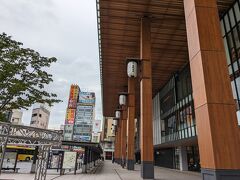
column 187, row 90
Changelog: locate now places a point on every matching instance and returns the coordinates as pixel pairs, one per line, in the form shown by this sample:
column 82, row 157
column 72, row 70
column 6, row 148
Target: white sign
column 9, row 160
column 69, row 160
column 96, row 137
column 96, row 126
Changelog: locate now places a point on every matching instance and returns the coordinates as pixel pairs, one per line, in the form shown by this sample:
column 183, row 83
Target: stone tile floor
column 109, row 171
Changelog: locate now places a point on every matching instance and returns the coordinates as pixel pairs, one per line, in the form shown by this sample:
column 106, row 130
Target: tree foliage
column 23, row 76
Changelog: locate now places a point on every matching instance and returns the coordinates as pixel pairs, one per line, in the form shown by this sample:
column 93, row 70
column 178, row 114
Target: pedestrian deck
column 107, row 170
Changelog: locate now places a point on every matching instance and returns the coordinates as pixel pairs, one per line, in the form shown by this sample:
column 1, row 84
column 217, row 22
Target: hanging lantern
column 122, row 99
column 113, row 128
column 132, row 69
column 118, row 114
column 115, row 122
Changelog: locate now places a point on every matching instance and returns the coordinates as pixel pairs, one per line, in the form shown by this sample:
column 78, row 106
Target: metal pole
column 4, row 148
column 33, row 168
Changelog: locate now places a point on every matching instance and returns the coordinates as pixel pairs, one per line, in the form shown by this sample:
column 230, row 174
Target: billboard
column 74, row 92
column 70, row 116
column 84, row 114
column 68, row 132
column 69, row 160
column 10, row 159
column 82, row 128
column 96, row 126
column 96, row 137
column 82, row 138
column 72, row 104
column 87, row 98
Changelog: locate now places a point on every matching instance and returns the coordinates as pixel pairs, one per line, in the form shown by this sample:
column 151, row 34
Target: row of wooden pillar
column 218, row 132
column 125, row 133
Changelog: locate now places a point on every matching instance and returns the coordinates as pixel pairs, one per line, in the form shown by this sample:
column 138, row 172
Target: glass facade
column 230, row 26
column 173, row 107
column 173, row 111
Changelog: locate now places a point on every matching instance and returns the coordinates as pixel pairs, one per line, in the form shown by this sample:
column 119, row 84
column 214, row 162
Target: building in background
column 70, row 112
column 16, row 117
column 107, row 139
column 40, row 117
column 79, row 115
column 96, row 131
column 85, row 114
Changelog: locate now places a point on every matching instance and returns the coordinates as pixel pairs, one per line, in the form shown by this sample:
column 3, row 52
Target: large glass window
column 230, row 25
column 177, row 112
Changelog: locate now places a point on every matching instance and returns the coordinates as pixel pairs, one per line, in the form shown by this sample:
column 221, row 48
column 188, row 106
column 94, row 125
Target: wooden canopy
column 119, row 38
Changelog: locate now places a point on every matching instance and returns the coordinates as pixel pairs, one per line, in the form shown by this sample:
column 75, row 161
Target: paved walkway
column 113, row 172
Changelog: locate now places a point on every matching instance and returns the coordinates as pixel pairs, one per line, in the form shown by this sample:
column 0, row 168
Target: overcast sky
column 65, row 29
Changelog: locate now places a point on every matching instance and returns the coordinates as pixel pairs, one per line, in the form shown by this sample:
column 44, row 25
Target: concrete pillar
column 123, row 135
column 131, row 124
column 183, row 158
column 146, row 130
column 218, row 131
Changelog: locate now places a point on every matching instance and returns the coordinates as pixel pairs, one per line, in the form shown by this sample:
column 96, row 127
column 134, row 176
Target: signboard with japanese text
column 96, row 126
column 69, row 160
column 70, row 116
column 72, row 104
column 82, row 138
column 87, row 98
column 10, row 159
column 96, row 137
column 84, row 114
column 74, row 92
column 68, row 132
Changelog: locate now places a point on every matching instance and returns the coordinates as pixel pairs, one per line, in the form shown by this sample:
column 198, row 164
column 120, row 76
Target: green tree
column 23, row 76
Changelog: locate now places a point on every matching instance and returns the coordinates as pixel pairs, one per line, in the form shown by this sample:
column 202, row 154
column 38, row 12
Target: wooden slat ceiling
column 119, row 25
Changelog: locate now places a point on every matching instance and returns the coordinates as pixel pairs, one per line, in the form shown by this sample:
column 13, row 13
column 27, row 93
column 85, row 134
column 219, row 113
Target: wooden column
column 123, row 136
column 131, row 124
column 146, row 130
column 120, row 142
column 117, row 147
column 215, row 109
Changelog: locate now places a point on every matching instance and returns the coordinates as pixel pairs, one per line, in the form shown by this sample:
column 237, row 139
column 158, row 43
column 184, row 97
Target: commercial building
column 40, row 117
column 96, row 131
column 70, row 112
column 182, row 83
column 107, row 139
column 85, row 115
column 80, row 115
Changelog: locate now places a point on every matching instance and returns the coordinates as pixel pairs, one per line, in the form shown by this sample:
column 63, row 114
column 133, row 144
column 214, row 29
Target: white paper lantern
column 132, row 69
column 115, row 122
column 113, row 128
column 122, row 99
column 117, row 114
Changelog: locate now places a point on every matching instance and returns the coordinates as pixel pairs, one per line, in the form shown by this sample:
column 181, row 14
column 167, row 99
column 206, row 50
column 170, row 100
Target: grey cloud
column 65, row 29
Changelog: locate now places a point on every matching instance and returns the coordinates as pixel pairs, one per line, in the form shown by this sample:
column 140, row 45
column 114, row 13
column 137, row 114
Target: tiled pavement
column 109, row 171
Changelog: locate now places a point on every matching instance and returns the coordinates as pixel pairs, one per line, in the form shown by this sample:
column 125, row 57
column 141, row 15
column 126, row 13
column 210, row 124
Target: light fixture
column 132, row 67
column 115, row 121
column 113, row 128
column 123, row 99
column 117, row 114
